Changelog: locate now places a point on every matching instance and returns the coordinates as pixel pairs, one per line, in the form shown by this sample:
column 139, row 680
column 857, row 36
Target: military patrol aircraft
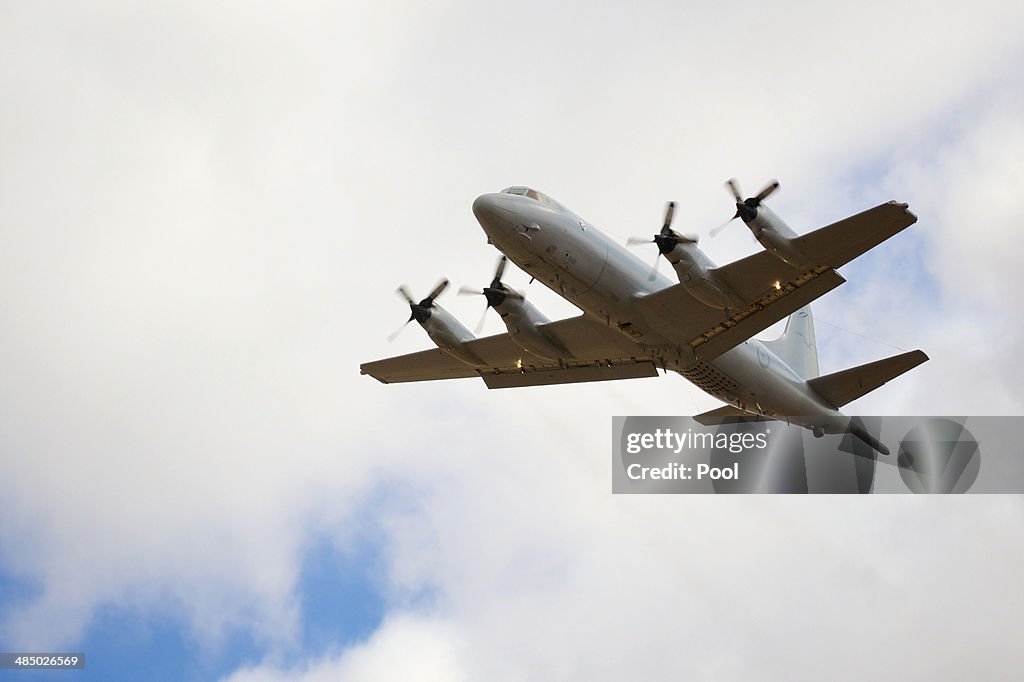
column 635, row 320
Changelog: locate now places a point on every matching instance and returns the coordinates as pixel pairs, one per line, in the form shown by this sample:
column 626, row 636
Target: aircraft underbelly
column 759, row 382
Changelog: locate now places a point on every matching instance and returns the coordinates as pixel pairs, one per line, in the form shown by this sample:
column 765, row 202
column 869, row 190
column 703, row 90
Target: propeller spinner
column 495, row 293
column 666, row 240
column 419, row 311
column 746, row 208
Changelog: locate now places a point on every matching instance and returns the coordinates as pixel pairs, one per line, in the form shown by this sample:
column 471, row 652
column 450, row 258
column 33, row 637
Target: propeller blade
column 766, row 192
column 404, row 293
column 466, row 291
column 714, row 232
column 480, row 325
column 654, row 270
column 735, row 189
column 669, row 212
column 635, row 241
column 441, row 286
column 394, row 335
column 501, row 268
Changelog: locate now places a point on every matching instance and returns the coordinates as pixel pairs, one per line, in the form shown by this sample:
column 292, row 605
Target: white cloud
column 540, row 573
column 405, row 647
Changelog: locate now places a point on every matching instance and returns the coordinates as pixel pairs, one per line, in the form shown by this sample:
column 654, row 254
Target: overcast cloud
column 205, row 208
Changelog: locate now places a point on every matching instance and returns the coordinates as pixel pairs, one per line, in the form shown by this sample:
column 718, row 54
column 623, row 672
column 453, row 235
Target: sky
column 205, row 209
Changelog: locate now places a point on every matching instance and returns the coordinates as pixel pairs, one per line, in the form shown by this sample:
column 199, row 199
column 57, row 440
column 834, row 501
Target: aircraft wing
column 773, row 288
column 599, row 354
column 839, row 243
column 832, row 247
column 426, row 365
column 676, row 315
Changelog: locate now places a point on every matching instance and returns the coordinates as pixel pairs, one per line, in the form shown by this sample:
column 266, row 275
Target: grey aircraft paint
column 775, row 379
column 585, row 266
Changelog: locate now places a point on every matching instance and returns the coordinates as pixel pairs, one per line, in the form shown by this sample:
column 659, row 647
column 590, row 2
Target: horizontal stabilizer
column 844, row 387
column 727, row 414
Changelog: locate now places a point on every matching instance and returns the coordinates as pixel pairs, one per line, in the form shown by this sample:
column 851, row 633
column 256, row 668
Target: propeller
column 495, row 293
column 419, row 311
column 666, row 240
column 745, row 208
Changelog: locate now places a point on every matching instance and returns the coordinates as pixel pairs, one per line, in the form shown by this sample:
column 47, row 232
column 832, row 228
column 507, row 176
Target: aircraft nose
column 495, row 210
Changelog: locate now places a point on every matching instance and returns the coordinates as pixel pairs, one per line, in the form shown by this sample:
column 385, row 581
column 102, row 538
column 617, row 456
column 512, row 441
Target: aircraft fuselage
column 602, row 278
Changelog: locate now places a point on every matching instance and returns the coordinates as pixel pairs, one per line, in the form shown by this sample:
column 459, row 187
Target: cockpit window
column 535, row 195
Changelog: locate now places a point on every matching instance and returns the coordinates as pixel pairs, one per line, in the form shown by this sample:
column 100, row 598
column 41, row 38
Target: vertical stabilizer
column 797, row 347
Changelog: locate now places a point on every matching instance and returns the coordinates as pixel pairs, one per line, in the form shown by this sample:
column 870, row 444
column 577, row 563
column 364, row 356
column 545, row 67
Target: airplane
column 636, row 320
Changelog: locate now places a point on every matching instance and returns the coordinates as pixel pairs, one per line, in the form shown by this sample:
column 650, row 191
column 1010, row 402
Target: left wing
column 425, row 365
column 599, row 354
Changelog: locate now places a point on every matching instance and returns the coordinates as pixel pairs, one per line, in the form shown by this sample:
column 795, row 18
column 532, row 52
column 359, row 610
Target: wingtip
column 905, row 207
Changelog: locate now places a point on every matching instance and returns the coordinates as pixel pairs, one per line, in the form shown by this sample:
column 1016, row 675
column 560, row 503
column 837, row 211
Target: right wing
column 828, row 247
column 772, row 288
column 676, row 315
column 599, row 354
column 839, row 243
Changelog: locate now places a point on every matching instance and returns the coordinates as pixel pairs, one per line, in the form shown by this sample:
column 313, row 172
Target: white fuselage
column 602, row 278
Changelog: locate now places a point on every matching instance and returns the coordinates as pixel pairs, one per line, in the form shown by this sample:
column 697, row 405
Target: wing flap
column 571, row 375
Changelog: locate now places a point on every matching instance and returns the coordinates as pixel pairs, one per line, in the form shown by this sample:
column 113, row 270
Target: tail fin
column 843, row 387
column 797, row 347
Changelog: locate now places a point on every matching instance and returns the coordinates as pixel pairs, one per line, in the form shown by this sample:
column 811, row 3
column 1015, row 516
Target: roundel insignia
column 762, row 357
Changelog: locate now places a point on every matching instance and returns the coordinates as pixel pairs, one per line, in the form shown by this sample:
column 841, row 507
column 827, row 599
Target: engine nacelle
column 449, row 335
column 525, row 325
column 775, row 236
column 696, row 274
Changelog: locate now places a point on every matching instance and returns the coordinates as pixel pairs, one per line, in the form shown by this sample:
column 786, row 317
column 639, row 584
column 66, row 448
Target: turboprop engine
column 768, row 229
column 524, row 322
column 443, row 329
column 696, row 272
